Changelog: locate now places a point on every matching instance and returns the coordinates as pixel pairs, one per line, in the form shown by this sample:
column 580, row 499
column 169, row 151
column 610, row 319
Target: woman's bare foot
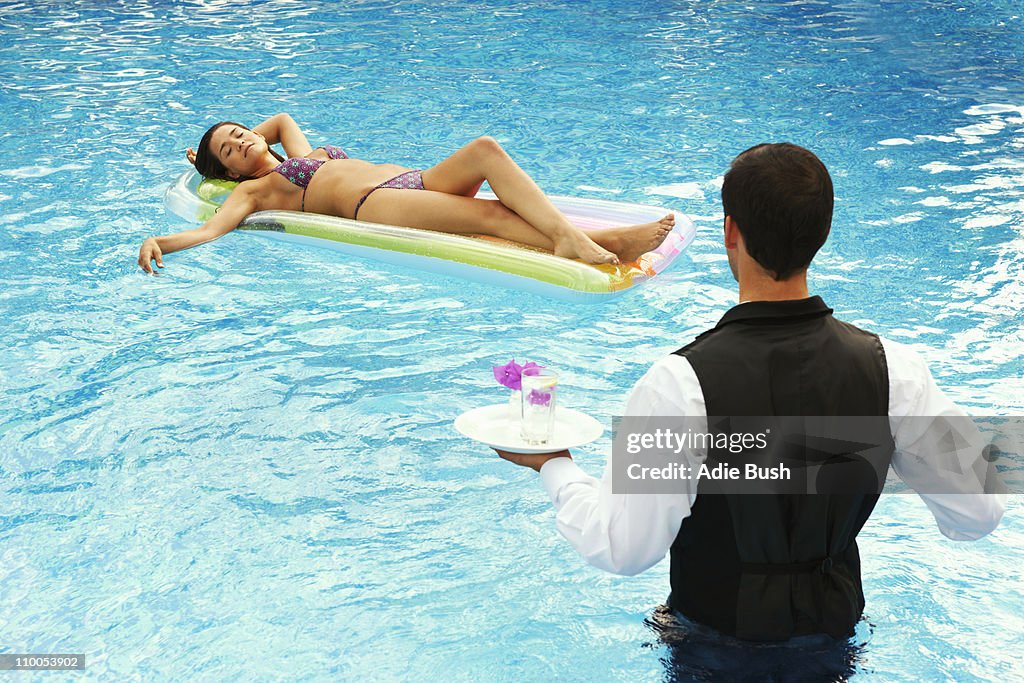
column 633, row 241
column 575, row 243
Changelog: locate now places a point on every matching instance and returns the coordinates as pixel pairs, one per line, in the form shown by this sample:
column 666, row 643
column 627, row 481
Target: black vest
column 773, row 566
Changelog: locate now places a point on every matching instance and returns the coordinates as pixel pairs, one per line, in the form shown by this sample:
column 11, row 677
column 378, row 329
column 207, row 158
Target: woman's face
column 239, row 149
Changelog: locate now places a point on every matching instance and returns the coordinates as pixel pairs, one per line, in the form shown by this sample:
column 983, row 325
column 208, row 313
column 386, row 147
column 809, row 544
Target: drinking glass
column 538, row 407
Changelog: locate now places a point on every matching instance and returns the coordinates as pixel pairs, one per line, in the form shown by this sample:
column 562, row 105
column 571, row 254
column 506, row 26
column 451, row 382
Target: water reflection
column 694, row 652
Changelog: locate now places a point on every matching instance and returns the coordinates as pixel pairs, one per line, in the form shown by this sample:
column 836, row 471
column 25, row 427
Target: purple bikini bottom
column 410, row 180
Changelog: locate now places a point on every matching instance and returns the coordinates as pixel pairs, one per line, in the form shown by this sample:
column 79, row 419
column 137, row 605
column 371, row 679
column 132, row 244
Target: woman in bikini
column 324, row 180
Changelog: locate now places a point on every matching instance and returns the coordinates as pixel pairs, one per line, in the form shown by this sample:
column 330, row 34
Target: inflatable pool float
column 482, row 259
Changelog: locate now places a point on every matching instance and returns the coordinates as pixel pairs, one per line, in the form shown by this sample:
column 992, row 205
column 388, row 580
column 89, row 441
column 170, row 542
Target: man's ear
column 732, row 233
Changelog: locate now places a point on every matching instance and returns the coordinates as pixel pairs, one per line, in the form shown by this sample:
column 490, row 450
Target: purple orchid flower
column 532, row 368
column 537, row 397
column 511, row 374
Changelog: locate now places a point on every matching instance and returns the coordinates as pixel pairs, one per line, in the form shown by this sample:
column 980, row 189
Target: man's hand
column 532, row 460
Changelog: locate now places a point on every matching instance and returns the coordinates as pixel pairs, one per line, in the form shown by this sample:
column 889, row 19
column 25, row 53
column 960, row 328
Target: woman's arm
column 282, row 128
column 238, row 205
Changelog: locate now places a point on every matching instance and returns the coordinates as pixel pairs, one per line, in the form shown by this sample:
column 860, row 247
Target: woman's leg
column 484, row 159
column 459, row 214
column 452, row 213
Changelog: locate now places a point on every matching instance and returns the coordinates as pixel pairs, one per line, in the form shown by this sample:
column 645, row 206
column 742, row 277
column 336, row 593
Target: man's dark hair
column 780, row 196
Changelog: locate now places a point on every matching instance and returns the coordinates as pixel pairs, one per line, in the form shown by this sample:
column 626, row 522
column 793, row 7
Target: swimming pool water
column 245, row 468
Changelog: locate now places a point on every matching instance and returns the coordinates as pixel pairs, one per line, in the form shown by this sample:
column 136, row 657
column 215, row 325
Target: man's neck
column 770, row 290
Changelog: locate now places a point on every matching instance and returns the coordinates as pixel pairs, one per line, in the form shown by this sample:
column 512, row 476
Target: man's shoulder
column 697, row 341
column 903, row 360
column 668, row 368
column 669, row 387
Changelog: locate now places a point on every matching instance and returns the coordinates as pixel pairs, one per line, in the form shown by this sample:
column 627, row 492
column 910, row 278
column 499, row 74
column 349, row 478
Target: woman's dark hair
column 207, row 163
column 780, row 196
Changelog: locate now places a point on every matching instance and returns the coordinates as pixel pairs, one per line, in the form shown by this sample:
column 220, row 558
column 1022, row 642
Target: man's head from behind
column 779, row 197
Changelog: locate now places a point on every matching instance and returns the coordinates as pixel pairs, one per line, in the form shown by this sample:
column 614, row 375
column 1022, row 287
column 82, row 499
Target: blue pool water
column 246, row 469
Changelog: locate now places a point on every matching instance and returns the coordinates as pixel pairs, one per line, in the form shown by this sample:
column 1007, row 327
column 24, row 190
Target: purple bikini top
column 300, row 170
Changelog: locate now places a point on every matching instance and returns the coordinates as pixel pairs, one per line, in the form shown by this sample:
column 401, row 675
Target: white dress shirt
column 629, row 533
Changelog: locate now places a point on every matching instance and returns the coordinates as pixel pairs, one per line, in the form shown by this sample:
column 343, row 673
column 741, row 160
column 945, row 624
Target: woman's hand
column 190, row 154
column 242, row 201
column 150, row 251
column 281, row 128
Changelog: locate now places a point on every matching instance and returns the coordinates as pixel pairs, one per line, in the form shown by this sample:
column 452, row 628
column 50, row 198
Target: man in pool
column 785, row 566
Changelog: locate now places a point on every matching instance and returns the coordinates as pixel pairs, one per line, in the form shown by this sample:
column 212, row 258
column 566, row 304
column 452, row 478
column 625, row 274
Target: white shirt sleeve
column 939, row 450
column 628, row 533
